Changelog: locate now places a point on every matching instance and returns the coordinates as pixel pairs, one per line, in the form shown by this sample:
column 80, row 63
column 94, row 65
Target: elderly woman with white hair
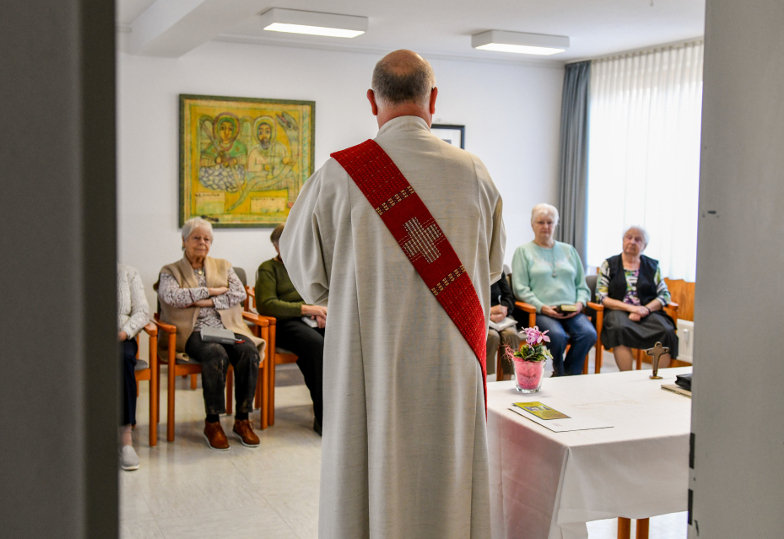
column 199, row 293
column 631, row 288
column 549, row 275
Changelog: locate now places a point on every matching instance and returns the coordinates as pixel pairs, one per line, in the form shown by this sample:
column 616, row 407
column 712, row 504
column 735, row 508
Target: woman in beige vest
column 199, row 292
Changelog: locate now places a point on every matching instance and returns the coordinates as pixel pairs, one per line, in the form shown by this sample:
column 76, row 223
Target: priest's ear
column 372, row 98
column 433, row 96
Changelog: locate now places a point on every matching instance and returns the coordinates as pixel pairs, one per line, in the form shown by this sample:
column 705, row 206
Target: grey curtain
column 573, row 180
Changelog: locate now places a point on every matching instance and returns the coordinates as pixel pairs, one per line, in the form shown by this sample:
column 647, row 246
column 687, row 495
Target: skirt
column 618, row 330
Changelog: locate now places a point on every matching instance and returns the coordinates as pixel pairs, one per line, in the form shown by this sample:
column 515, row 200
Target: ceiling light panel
column 519, row 42
column 313, row 23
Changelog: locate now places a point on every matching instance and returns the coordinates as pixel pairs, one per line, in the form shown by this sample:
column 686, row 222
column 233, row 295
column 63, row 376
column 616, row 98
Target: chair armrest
column 671, row 309
column 271, row 319
column 257, row 319
column 151, row 329
column 166, row 328
column 595, row 306
column 528, row 308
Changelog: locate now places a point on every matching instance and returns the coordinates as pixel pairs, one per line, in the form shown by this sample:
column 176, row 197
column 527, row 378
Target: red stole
column 421, row 239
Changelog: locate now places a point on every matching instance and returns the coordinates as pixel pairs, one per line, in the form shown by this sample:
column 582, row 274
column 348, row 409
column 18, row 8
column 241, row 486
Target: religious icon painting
column 243, row 160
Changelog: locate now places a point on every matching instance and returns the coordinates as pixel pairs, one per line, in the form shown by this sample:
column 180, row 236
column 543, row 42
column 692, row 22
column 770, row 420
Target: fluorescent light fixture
column 519, row 42
column 313, row 23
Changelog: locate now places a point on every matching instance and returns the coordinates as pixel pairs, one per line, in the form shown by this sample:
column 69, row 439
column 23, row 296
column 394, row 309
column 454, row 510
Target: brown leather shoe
column 245, row 433
column 216, row 438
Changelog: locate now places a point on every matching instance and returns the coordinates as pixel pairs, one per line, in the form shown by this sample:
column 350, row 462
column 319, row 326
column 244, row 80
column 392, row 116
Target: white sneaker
column 129, row 460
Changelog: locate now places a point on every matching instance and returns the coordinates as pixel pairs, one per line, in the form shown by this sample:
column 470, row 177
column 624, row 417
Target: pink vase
column 528, row 375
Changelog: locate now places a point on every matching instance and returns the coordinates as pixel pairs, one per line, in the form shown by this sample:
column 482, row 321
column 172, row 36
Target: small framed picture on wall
column 453, row 134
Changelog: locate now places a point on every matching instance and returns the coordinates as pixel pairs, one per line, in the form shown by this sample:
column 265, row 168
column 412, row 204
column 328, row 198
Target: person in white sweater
column 133, row 314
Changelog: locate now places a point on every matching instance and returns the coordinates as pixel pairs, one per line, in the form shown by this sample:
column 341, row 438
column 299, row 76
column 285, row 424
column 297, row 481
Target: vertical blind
column 644, row 154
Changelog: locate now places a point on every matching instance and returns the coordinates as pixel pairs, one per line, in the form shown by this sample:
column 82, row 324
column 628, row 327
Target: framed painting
column 243, row 160
column 453, row 134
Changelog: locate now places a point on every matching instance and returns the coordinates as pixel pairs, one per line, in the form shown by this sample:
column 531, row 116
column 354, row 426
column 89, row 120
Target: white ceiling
column 434, row 28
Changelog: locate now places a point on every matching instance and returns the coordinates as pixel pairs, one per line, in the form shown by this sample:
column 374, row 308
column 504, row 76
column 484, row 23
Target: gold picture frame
column 243, row 160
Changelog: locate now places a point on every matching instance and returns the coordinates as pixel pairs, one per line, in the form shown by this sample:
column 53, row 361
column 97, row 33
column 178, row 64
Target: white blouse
column 133, row 313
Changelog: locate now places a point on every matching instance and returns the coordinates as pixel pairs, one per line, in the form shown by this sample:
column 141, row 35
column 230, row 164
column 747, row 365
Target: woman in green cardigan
column 300, row 327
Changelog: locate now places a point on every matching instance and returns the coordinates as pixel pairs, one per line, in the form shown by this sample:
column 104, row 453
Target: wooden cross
column 656, row 352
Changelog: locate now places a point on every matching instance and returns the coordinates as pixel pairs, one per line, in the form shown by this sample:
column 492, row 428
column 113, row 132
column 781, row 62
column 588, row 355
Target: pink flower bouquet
column 529, row 360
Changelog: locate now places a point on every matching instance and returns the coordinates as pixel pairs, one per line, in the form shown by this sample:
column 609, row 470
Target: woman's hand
column 638, row 312
column 203, row 303
column 321, row 321
column 317, row 313
column 122, row 336
column 314, row 310
column 218, row 291
column 498, row 312
column 551, row 312
column 579, row 307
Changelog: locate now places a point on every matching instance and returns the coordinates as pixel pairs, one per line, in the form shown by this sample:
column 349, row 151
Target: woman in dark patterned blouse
column 631, row 288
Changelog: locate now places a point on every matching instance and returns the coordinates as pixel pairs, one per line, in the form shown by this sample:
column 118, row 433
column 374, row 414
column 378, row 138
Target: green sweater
column 275, row 294
column 543, row 276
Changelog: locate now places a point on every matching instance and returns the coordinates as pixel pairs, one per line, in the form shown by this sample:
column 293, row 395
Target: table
column 545, row 484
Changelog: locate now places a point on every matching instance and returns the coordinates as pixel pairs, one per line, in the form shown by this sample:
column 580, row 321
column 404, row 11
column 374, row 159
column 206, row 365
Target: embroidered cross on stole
column 420, row 238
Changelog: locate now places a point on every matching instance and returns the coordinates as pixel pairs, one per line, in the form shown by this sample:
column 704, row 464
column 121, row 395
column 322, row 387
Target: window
column 644, row 154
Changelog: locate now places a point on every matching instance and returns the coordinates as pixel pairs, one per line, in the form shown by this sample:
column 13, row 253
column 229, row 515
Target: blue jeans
column 577, row 331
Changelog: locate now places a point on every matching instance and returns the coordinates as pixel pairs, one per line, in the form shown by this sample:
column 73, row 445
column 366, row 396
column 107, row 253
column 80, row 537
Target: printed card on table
column 540, row 410
column 555, row 420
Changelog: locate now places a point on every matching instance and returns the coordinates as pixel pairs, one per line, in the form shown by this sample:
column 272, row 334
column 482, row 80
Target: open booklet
column 556, row 420
column 503, row 324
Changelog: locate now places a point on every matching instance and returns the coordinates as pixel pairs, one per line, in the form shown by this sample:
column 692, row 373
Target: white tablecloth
column 548, row 485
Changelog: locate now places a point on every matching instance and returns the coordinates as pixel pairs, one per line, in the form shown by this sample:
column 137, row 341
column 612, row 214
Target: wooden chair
column 178, row 364
column 671, row 309
column 278, row 356
column 595, row 313
column 148, row 371
column 261, row 329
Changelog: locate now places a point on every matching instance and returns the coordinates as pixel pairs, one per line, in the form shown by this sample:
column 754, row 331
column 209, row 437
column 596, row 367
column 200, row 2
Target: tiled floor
column 184, row 489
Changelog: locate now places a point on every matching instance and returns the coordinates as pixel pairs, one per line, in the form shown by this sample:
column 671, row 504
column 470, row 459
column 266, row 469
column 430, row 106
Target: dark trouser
column 308, row 343
column 576, row 330
column 128, row 365
column 215, row 359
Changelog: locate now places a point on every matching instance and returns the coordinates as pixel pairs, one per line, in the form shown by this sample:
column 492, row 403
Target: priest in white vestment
column 404, row 449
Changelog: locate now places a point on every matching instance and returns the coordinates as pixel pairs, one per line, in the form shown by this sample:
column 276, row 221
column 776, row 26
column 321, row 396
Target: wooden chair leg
column 499, row 366
column 642, row 528
column 154, row 396
column 194, row 381
column 170, row 407
column 271, row 394
column 624, row 528
column 229, row 388
column 262, row 400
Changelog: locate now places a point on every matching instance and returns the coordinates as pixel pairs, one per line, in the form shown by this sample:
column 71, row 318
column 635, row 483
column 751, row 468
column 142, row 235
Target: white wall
column 511, row 113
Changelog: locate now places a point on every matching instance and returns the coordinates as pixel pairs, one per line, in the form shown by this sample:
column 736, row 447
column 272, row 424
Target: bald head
column 403, row 77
